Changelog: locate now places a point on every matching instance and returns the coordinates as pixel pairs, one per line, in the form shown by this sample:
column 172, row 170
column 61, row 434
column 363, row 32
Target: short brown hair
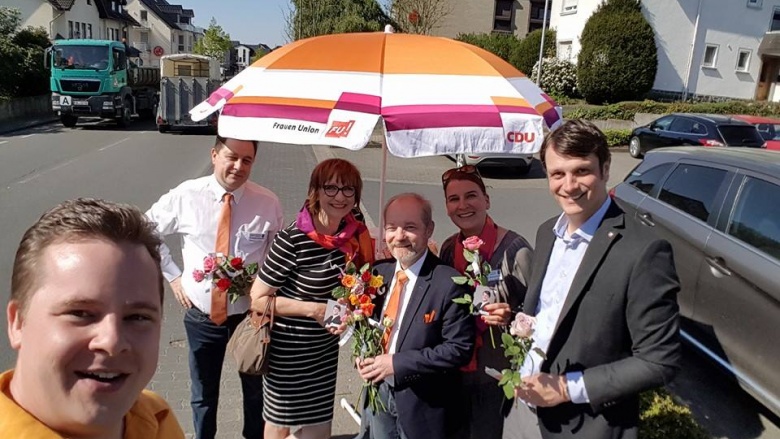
column 220, row 142
column 78, row 220
column 326, row 171
column 577, row 138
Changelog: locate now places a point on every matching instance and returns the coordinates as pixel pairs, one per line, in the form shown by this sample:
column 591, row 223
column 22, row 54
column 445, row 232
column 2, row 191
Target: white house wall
column 41, row 13
column 729, row 24
column 34, row 12
column 159, row 33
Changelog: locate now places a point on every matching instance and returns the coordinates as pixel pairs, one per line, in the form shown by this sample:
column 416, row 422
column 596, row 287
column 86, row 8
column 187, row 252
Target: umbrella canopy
column 435, row 96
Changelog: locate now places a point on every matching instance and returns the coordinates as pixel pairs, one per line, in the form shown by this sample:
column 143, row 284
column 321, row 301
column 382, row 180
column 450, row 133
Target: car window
column 692, row 189
column 699, row 128
column 646, row 181
column 663, row 123
column 682, row 125
column 741, row 135
column 756, row 221
column 768, row 131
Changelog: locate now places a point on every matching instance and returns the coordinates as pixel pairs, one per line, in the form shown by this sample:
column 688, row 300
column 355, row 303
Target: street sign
column 66, row 101
column 158, row 51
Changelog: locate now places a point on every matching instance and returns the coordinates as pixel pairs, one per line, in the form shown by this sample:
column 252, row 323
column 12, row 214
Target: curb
column 18, row 125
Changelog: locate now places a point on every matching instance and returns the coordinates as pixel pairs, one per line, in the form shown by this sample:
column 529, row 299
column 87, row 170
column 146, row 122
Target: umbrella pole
column 381, row 232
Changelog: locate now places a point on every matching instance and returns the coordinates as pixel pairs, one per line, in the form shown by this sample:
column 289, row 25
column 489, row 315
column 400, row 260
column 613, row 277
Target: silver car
column 521, row 162
column 720, row 209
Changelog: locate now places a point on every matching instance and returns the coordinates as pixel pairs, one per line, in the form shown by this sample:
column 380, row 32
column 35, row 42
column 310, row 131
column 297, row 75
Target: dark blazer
column 619, row 326
column 428, row 355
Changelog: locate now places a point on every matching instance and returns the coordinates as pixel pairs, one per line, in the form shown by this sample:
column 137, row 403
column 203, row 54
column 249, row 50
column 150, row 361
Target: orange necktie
column 219, row 297
column 392, row 306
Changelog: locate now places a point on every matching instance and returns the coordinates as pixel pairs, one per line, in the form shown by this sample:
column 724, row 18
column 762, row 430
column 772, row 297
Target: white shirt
column 412, row 273
column 565, row 259
column 192, row 211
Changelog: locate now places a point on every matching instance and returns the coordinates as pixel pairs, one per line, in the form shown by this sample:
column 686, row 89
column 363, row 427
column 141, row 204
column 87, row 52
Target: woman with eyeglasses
column 509, row 254
column 302, row 269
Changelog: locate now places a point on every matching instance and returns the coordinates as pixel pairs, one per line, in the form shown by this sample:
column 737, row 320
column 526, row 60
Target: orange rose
column 364, row 299
column 368, row 308
column 348, row 281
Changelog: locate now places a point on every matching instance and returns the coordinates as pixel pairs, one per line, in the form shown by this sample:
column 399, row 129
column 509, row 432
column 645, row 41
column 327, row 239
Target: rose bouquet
column 516, row 346
column 359, row 287
column 230, row 274
column 476, row 274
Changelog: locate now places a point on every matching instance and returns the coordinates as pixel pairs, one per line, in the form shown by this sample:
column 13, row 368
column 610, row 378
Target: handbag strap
column 259, row 319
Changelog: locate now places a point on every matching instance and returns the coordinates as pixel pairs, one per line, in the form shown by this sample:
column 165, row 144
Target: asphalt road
column 43, row 166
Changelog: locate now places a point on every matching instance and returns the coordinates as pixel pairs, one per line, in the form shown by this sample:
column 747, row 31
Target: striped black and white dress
column 300, row 386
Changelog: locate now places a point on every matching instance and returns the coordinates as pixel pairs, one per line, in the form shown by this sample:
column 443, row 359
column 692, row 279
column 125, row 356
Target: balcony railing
column 143, row 47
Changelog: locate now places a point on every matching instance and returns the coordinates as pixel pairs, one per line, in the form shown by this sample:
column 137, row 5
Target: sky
column 248, row 21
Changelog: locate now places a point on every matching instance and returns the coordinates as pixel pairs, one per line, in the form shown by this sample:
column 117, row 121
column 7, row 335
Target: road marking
column 3, row 142
column 29, row 135
column 65, row 163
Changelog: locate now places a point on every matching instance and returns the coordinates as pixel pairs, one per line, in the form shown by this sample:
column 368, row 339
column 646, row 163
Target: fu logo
column 340, row 129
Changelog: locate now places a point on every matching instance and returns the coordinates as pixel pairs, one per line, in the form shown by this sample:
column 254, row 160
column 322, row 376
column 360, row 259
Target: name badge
column 256, row 236
column 494, row 277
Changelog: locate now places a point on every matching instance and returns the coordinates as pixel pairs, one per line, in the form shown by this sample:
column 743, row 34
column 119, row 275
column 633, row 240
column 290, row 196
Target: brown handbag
column 250, row 342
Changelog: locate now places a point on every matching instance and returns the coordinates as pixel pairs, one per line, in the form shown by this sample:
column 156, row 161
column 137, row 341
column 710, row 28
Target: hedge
column 662, row 418
column 627, row 110
column 617, row 137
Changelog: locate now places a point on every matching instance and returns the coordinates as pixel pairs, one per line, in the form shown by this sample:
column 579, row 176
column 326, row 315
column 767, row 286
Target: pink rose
column 209, row 263
column 198, row 275
column 472, row 243
column 522, row 326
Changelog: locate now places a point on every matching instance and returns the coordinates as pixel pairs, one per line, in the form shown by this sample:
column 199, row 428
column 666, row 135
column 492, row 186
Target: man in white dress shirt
column 194, row 210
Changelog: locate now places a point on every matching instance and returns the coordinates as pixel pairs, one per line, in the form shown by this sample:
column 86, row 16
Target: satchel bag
column 249, row 344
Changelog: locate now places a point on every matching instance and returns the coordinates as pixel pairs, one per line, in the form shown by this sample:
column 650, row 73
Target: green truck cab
column 94, row 78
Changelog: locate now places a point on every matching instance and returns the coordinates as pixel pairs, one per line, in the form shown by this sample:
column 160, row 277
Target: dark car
column 693, row 129
column 720, row 210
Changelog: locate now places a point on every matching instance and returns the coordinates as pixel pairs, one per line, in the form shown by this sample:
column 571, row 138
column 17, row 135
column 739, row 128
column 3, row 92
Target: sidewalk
column 11, row 125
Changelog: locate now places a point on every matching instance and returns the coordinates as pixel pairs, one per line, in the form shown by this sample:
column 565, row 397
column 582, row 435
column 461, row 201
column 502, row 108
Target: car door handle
column 718, row 266
column 646, row 219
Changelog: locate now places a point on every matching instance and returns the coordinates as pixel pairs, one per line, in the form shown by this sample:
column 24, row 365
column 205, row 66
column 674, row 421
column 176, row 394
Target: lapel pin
column 611, row 235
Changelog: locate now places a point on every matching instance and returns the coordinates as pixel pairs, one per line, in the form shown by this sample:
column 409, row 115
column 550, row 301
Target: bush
column 662, row 418
column 502, row 45
column 619, row 59
column 22, row 72
column 617, row 137
column 527, row 52
column 627, row 110
column 559, row 77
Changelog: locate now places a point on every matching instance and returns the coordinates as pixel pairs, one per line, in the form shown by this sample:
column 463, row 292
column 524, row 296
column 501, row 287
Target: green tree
column 527, row 53
column 22, row 72
column 420, row 16
column 259, row 53
column 215, row 42
column 500, row 44
column 619, row 59
column 309, row 18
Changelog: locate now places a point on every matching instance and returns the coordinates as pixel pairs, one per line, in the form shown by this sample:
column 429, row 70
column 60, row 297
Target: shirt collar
column 219, row 191
column 587, row 230
column 414, row 270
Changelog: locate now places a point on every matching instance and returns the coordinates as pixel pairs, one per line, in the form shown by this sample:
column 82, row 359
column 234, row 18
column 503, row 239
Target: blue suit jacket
column 429, row 353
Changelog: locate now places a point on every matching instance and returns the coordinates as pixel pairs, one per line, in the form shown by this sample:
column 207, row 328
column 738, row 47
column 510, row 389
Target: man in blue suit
column 430, row 338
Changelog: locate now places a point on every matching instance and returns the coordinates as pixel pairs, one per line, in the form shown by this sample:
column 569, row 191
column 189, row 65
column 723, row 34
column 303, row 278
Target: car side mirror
column 653, row 127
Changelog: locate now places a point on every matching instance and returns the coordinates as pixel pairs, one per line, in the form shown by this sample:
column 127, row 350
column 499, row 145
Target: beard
column 405, row 256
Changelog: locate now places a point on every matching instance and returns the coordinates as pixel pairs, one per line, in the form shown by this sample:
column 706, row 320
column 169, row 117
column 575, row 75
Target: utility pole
column 541, row 46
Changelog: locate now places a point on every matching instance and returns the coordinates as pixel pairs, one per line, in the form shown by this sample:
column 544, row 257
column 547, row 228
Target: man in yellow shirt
column 85, row 317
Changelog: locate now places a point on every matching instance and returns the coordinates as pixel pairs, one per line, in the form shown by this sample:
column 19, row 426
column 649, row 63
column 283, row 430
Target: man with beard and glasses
column 430, row 339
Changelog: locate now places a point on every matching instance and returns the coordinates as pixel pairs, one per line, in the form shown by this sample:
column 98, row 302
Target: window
column 755, row 221
column 145, row 37
column 181, row 43
column 710, row 56
column 89, row 2
column 89, row 30
column 70, row 29
column 564, row 50
column 775, row 25
column 662, row 124
column 144, row 16
column 569, row 7
column 502, row 21
column 692, row 189
column 682, row 125
column 646, row 181
column 84, row 30
column 743, row 60
column 754, row 4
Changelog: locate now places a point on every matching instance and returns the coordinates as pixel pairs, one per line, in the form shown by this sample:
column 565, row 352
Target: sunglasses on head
column 466, row 169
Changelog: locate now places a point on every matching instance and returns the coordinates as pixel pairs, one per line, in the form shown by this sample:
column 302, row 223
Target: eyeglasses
column 331, row 190
column 466, row 169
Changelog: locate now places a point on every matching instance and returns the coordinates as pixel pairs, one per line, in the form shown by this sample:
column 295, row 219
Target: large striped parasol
column 435, row 96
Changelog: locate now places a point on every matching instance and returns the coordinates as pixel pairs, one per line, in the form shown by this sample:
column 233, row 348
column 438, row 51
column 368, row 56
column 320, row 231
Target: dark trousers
column 208, row 342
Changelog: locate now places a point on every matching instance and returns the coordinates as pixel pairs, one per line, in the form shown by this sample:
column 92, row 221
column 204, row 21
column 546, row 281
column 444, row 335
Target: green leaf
column 507, row 340
column 468, row 255
column 509, row 390
column 471, row 282
column 461, row 301
column 513, row 350
column 340, row 292
column 365, row 267
column 486, row 268
column 460, row 280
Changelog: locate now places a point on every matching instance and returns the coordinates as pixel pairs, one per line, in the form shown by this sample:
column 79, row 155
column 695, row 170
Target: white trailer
column 185, row 81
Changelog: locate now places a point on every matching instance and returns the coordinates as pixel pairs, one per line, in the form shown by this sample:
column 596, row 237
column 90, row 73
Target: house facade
column 482, row 16
column 709, row 51
column 79, row 19
column 163, row 29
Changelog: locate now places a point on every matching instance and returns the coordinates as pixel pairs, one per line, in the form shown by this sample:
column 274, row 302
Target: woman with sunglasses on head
column 509, row 254
column 302, row 268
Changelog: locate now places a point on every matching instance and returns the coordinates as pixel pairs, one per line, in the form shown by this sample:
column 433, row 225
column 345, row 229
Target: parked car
column 693, row 129
column 768, row 127
column 521, row 162
column 720, row 210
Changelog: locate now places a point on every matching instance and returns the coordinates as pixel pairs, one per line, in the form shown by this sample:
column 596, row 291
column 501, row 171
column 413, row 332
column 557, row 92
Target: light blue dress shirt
column 567, row 253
